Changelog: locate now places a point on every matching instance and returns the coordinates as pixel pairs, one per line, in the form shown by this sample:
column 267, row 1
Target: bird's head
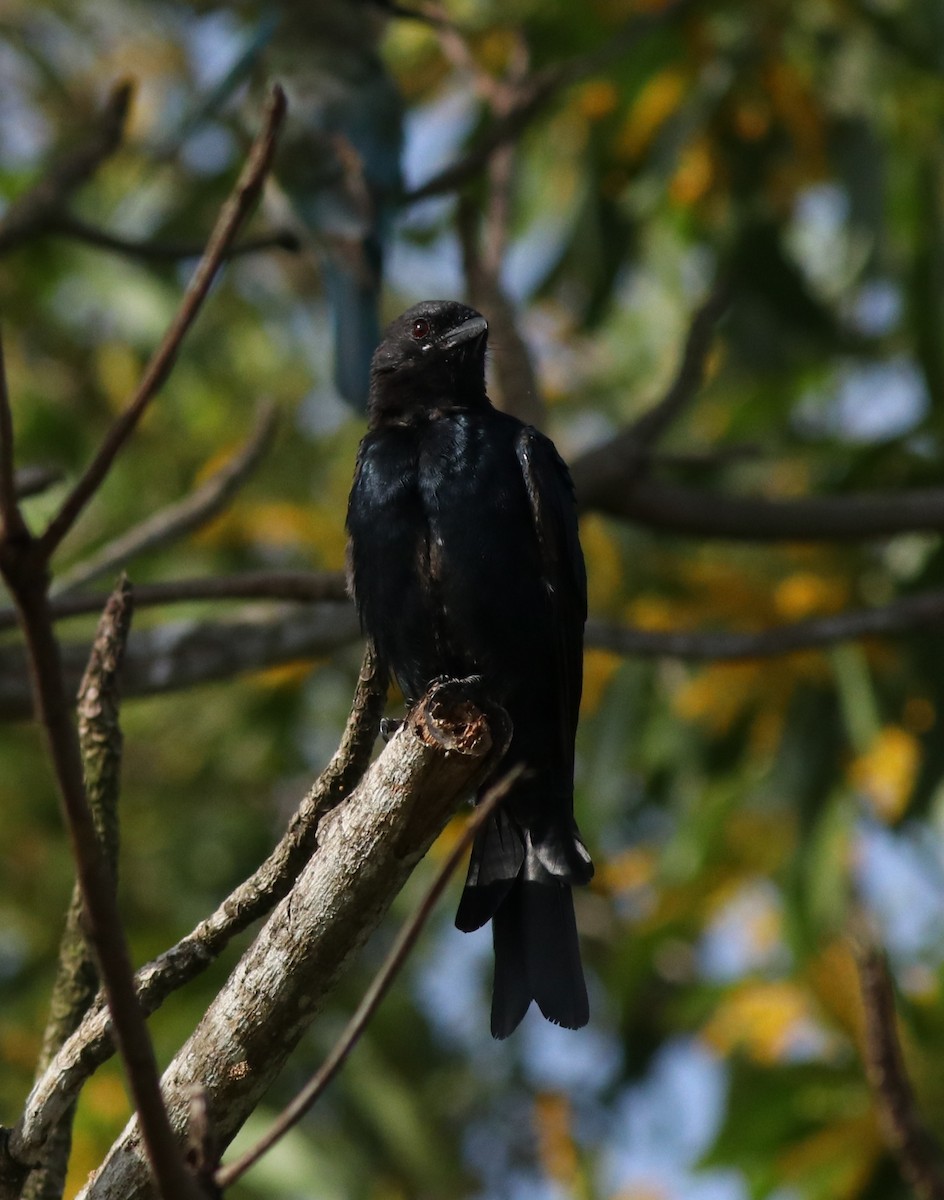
column 431, row 357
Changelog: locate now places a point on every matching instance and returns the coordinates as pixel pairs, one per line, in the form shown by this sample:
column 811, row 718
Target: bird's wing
column 554, row 512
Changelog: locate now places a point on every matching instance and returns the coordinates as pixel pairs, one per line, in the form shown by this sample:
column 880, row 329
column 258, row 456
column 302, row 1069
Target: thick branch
column 367, row 848
column 182, row 517
column 696, row 513
column 391, row 966
column 232, row 215
column 182, row 654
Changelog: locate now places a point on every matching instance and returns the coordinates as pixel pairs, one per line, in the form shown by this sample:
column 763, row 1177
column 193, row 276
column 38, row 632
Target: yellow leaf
column 695, row 173
column 885, row 774
column 604, row 563
column 597, row 99
column 805, row 592
column 627, row 871
column 599, row 667
column 848, row 1149
column 762, row 1017
column 656, row 102
column 556, row 1150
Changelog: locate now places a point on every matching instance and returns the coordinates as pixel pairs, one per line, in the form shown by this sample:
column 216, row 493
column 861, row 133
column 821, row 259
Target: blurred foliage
column 735, row 810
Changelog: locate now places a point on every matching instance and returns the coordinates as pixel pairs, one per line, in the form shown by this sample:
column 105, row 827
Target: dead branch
column 380, row 985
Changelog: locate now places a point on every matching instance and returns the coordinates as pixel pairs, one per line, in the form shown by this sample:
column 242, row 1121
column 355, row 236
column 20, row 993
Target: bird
column 464, row 561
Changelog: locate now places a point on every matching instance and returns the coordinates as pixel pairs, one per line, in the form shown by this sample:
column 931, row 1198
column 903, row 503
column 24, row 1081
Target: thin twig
column 614, row 465
column 232, row 215
column 647, row 429
column 67, row 225
column 180, row 518
column 77, row 977
column 389, row 970
column 919, row 1155
column 12, row 524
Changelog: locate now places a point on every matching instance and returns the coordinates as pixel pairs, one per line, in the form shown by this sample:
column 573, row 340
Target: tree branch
column 918, row 1154
column 691, row 512
column 67, row 225
column 367, row 848
column 232, row 216
column 182, row 654
column 308, row 587
column 77, row 978
column 12, row 524
column 181, row 517
column 923, row 610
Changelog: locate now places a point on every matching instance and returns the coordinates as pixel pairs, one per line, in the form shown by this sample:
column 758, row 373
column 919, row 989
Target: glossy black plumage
column 465, row 561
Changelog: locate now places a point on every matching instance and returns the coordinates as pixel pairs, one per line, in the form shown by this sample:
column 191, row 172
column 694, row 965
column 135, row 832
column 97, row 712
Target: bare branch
column 380, row 985
column 612, row 467
column 366, row 849
column 33, row 212
column 920, row 611
column 92, row 1044
column 77, row 977
column 182, row 654
column 918, row 1154
column 232, row 215
column 12, row 524
column 67, row 225
column 308, row 587
column 181, row 517
column 23, row 566
column 703, row 514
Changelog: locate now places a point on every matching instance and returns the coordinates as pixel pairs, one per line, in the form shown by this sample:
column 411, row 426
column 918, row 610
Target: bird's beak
column 475, row 327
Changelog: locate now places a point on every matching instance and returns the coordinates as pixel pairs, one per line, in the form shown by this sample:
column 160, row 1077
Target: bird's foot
column 389, row 726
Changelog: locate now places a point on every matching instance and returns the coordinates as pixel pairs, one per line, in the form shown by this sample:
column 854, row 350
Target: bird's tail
column 524, row 886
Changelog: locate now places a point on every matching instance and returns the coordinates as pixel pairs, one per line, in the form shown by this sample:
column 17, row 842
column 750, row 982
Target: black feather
column 465, row 560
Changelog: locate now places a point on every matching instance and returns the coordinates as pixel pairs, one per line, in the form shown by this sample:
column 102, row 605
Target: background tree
column 710, row 242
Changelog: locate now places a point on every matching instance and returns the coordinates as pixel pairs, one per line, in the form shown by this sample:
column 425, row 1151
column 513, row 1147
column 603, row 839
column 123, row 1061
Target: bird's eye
column 420, row 329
